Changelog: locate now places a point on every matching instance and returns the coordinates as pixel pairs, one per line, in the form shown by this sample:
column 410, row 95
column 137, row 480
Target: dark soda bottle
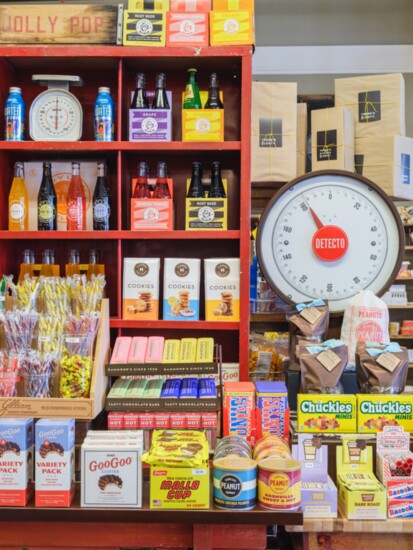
column 140, row 101
column 217, row 190
column 196, row 191
column 142, row 190
column 161, row 190
column 214, row 101
column 160, row 101
column 101, row 200
column 192, row 98
column 47, row 201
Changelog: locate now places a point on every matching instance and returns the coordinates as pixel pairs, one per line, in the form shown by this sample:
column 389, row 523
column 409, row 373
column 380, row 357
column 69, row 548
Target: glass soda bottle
column 47, row 201
column 104, row 114
column 101, row 200
column 192, row 98
column 160, row 101
column 217, row 190
column 46, row 269
column 196, row 191
column 94, row 267
column 27, row 265
column 161, row 190
column 142, row 190
column 72, row 267
column 139, row 100
column 14, row 114
column 18, row 201
column 76, row 201
column 214, row 100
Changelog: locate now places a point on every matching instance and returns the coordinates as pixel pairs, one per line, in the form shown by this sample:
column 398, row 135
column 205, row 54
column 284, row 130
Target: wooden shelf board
column 268, row 318
column 122, row 52
column 409, row 306
column 190, row 325
column 406, row 279
column 401, row 337
column 408, row 247
column 257, row 516
column 343, row 525
column 59, row 146
column 124, row 235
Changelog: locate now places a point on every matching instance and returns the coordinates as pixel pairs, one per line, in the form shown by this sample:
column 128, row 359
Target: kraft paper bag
column 274, row 131
column 301, row 138
column 332, row 139
column 377, row 103
column 387, row 161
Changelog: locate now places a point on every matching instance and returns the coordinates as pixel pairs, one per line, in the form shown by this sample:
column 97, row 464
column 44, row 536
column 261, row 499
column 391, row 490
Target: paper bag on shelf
column 274, row 131
column 301, row 138
column 332, row 139
column 377, row 103
column 387, row 161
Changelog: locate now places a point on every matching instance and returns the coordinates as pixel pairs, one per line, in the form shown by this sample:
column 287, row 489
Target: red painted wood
column 245, row 214
column 247, row 537
column 183, row 325
column 118, row 146
column 124, row 235
column 202, row 537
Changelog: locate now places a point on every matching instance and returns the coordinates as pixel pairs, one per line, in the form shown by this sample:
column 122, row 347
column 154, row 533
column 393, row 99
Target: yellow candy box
column 326, row 413
column 376, row 411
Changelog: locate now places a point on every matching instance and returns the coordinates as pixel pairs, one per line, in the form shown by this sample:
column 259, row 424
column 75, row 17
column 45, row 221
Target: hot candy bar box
column 376, row 101
column 387, row 161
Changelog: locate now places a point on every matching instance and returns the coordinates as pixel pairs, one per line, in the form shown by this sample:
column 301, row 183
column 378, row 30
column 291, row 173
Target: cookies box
column 326, row 413
column 376, row 411
column 179, row 488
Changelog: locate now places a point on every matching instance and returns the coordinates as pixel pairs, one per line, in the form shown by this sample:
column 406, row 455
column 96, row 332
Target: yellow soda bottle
column 18, row 201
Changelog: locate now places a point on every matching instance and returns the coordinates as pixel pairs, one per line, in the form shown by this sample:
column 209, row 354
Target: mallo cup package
column 181, row 289
column 222, row 289
column 141, row 288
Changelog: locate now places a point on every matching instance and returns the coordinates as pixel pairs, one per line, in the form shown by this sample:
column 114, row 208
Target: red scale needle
column 317, row 220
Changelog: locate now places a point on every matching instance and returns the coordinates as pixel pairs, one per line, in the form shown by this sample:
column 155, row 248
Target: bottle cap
column 15, row 90
column 143, row 169
column 141, row 77
column 103, row 90
column 192, row 70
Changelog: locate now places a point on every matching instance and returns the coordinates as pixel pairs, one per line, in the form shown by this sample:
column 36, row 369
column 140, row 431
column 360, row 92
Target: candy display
column 265, row 358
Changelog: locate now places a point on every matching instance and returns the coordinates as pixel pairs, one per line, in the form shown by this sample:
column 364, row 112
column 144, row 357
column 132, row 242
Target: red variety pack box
column 239, row 410
column 16, row 461
column 55, row 462
column 187, row 29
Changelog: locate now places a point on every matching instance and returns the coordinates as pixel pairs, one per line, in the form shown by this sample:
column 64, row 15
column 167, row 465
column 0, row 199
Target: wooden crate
column 81, row 409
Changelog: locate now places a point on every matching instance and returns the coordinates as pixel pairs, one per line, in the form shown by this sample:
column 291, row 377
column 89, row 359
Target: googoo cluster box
column 16, row 461
column 55, row 462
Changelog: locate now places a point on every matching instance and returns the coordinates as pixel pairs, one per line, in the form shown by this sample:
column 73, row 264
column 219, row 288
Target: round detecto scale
column 328, row 235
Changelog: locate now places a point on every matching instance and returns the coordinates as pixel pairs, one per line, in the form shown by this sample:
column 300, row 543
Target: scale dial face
column 56, row 115
column 329, row 235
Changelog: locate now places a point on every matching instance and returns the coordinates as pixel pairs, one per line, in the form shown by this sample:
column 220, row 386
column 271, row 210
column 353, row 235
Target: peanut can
column 279, row 484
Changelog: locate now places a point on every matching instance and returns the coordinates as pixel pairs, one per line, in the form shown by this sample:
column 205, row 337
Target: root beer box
column 326, row 413
column 376, row 411
column 144, row 28
column 16, row 461
column 181, row 289
column 205, row 213
column 55, row 462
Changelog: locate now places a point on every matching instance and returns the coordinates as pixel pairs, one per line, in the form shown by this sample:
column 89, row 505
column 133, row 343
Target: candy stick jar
column 76, row 366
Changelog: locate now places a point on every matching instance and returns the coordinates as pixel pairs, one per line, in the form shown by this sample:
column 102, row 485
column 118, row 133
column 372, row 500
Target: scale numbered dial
column 56, row 115
column 329, row 235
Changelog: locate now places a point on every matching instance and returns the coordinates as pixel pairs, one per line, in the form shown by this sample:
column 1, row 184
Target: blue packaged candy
column 189, row 388
column 207, row 388
column 171, row 388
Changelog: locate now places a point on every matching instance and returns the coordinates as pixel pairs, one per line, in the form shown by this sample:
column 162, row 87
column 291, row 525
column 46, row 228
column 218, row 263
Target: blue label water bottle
column 104, row 116
column 14, row 113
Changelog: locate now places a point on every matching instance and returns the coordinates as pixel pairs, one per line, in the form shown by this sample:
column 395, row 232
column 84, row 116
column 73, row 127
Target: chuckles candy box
column 376, row 411
column 326, row 413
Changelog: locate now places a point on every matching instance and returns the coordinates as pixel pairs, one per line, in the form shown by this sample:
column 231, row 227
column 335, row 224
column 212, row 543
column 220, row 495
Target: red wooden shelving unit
column 116, row 66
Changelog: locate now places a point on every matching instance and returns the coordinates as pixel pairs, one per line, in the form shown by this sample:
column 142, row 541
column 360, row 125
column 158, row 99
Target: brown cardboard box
column 274, row 131
column 387, row 161
column 332, row 139
column 377, row 103
column 301, row 138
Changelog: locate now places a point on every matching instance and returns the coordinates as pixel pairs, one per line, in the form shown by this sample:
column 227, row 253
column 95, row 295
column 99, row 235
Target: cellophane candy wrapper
column 184, row 448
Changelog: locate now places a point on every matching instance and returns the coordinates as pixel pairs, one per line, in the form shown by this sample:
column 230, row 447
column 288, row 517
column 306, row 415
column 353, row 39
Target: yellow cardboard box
column 203, row 124
column 179, row 488
column 231, row 28
column 360, row 494
column 144, row 28
column 148, row 5
column 209, row 214
column 224, row 5
column 326, row 413
column 376, row 411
